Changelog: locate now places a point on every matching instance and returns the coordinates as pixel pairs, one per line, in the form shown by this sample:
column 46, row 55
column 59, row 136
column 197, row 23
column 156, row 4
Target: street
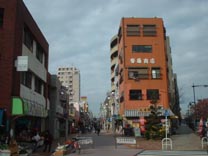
column 185, row 142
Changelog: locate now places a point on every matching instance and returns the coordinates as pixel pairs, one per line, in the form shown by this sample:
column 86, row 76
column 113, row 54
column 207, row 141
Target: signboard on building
column 142, row 60
column 22, row 63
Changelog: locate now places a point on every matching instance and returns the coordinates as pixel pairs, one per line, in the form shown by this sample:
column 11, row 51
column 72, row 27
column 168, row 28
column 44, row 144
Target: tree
column 153, row 126
column 201, row 109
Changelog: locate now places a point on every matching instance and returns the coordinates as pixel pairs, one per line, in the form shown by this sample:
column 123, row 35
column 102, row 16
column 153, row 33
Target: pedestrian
column 98, row 129
column 48, row 139
column 36, row 139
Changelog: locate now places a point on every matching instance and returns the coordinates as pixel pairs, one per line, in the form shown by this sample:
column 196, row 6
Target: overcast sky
column 79, row 34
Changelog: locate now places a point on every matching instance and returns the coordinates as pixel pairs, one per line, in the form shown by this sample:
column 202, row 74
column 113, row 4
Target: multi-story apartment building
column 23, row 69
column 144, row 73
column 114, row 95
column 70, row 78
column 173, row 87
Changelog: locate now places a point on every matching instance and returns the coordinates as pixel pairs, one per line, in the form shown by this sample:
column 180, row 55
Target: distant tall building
column 141, row 67
column 70, row 78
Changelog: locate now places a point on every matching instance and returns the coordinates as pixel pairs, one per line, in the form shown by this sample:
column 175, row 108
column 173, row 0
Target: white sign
column 22, row 63
column 140, row 60
column 125, row 140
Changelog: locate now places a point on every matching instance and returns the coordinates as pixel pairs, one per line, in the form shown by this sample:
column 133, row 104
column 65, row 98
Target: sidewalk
column 39, row 151
column 186, row 139
column 108, row 151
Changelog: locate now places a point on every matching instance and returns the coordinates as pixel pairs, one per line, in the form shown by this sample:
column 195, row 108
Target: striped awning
column 135, row 113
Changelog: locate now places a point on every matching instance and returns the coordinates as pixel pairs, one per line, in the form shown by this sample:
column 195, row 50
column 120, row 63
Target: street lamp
column 194, row 90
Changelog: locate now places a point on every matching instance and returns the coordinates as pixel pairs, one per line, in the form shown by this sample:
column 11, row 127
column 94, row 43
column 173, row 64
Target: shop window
column 149, row 30
column 135, row 94
column 141, row 48
column 156, row 74
column 26, row 79
column 152, row 94
column 133, row 30
column 1, row 16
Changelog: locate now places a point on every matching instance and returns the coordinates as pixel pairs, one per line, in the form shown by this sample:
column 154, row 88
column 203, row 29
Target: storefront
column 28, row 117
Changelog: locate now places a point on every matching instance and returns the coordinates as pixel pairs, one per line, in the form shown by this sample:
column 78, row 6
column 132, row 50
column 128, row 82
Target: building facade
column 58, row 115
column 23, row 68
column 70, row 78
column 143, row 67
column 114, row 95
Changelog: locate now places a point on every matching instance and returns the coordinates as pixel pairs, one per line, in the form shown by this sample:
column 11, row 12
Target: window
column 156, row 73
column 152, row 94
column 39, row 53
column 135, row 95
column 28, row 39
column 26, row 79
column 149, row 30
column 121, row 76
column 38, row 85
column 1, row 16
column 119, row 34
column 141, row 48
column 122, row 96
column 138, row 73
column 114, row 43
column 133, row 30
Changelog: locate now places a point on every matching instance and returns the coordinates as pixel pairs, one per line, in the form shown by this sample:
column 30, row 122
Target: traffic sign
column 166, row 113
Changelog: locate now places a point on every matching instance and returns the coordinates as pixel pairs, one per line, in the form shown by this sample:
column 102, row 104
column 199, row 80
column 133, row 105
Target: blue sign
column 167, row 113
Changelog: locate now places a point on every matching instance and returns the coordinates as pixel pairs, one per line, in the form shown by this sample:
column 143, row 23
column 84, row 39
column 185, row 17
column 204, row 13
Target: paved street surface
column 185, row 142
column 172, row 153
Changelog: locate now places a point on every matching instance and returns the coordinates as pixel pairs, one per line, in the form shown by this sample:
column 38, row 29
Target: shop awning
column 27, row 107
column 17, row 106
column 135, row 113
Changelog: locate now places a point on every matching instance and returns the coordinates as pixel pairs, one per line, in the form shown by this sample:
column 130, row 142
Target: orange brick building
column 143, row 68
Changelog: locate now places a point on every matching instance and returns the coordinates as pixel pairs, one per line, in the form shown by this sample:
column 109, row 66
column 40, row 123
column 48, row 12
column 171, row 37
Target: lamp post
column 194, row 90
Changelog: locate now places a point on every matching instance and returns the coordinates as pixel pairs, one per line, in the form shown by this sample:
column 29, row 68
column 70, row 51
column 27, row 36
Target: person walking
column 36, row 138
column 98, row 129
column 48, row 139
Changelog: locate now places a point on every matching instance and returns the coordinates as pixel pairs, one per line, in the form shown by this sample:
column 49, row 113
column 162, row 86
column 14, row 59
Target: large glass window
column 141, row 48
column 156, row 73
column 1, row 16
column 138, row 73
column 135, row 94
column 152, row 94
column 26, row 79
column 133, row 30
column 149, row 30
